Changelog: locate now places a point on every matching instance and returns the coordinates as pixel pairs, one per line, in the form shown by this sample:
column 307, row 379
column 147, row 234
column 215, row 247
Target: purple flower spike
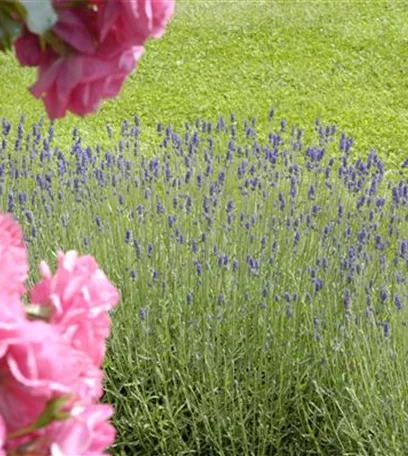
column 143, row 313
column 397, row 301
column 347, row 299
column 128, row 236
column 387, row 329
column 189, row 298
column 383, row 296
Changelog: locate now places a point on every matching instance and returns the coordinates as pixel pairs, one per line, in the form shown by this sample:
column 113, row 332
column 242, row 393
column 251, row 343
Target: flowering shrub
column 87, row 52
column 263, row 276
column 51, row 353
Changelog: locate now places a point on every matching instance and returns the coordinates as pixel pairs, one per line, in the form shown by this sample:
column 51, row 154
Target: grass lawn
column 342, row 61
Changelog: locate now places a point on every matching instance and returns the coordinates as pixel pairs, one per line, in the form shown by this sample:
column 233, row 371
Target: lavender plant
column 263, row 280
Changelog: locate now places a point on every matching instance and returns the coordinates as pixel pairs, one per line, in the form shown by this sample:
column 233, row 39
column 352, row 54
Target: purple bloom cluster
column 215, row 212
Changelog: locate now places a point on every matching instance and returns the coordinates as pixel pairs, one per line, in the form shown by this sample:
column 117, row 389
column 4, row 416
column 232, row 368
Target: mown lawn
column 342, row 61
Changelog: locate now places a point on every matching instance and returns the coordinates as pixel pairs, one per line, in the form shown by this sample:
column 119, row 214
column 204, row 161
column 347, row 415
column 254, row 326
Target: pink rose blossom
column 2, row 436
column 134, row 21
column 89, row 71
column 75, row 28
column 79, row 82
column 11, row 308
column 36, row 365
column 13, row 270
column 79, row 30
column 87, row 433
column 80, row 296
column 28, row 50
column 97, row 49
column 13, row 257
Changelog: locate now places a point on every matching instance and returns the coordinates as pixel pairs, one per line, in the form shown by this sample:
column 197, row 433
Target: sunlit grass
column 342, row 61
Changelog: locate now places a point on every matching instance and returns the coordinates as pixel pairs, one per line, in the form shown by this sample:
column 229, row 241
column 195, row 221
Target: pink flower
column 75, row 27
column 13, row 257
column 87, row 433
column 13, row 270
column 89, row 71
column 134, row 21
column 80, row 296
column 29, row 52
column 2, row 436
column 37, row 365
column 98, row 48
column 79, row 82
column 79, row 30
column 11, row 307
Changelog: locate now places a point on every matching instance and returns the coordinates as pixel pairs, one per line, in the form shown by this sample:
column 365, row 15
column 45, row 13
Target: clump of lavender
column 242, row 251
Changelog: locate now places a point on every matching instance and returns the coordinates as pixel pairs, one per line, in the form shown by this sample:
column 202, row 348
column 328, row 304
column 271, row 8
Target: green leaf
column 9, row 30
column 53, row 412
column 41, row 16
column 37, row 312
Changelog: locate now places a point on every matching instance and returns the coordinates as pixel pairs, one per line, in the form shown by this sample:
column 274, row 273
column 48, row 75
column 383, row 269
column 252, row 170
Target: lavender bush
column 263, row 280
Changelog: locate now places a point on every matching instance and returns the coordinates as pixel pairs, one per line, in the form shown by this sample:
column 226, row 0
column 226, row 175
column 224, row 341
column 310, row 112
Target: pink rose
column 79, row 29
column 13, row 270
column 87, row 433
column 76, row 27
column 80, row 296
column 36, row 365
column 11, row 308
column 79, row 82
column 28, row 50
column 98, row 47
column 2, row 436
column 134, row 21
column 13, row 256
column 88, row 385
